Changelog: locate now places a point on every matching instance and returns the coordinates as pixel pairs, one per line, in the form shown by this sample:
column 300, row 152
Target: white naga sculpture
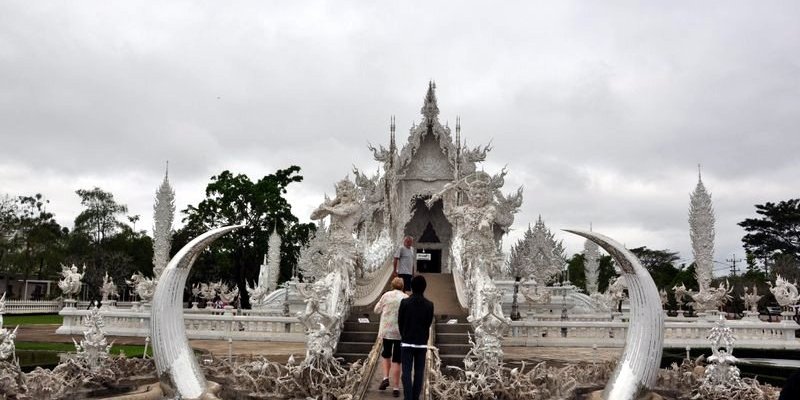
column 785, row 293
column 7, row 337
column 638, row 366
column 163, row 215
column 701, row 233
column 268, row 274
column 145, row 287
column 70, row 284
column 108, row 290
column 93, row 349
column 176, row 363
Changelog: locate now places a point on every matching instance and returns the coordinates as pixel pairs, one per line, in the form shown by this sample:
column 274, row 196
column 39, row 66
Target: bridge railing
column 198, row 326
column 677, row 334
column 32, row 306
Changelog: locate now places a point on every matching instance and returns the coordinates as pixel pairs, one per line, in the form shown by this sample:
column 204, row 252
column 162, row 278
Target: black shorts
column 406, row 282
column 391, row 348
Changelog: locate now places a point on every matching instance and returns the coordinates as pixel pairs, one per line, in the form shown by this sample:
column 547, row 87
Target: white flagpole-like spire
column 163, row 215
column 701, row 232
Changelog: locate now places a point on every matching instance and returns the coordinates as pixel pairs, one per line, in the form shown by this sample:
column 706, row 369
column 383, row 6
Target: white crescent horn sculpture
column 640, row 361
column 176, row 364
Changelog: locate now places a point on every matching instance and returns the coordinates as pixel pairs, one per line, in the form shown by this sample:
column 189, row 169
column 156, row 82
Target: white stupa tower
column 163, row 215
column 701, row 232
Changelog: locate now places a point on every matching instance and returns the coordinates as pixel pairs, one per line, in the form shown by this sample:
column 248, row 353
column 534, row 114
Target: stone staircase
column 357, row 338
column 453, row 341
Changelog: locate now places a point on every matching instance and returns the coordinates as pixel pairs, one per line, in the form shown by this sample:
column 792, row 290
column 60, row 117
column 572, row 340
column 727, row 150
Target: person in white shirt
column 389, row 331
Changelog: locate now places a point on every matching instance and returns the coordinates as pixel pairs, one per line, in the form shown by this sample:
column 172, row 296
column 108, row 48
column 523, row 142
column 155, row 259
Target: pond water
column 30, row 359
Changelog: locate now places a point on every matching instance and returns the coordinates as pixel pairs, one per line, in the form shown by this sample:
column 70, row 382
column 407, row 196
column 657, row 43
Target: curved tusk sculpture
column 175, row 361
column 638, row 367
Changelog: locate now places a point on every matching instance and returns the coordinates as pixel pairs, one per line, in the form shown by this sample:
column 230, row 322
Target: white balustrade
column 216, row 324
column 32, row 306
column 580, row 333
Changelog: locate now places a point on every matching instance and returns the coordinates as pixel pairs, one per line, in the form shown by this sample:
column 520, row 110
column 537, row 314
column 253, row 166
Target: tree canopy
column 261, row 206
column 776, row 232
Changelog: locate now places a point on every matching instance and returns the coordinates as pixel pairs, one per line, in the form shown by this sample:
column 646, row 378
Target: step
column 350, row 358
column 451, row 359
column 454, row 349
column 452, row 338
column 453, row 328
column 356, row 336
column 354, row 347
column 359, row 327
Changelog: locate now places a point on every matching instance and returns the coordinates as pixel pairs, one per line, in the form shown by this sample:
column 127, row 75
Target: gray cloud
column 601, row 112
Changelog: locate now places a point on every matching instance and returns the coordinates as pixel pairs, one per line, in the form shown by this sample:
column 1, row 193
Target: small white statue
column 94, row 348
column 145, row 287
column 785, row 293
column 751, row 298
column 108, row 289
column 721, row 373
column 664, row 298
column 228, row 296
column 6, row 336
column 70, row 284
column 712, row 298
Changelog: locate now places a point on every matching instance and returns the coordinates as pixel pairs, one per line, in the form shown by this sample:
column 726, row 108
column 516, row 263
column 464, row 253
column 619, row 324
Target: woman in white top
column 388, row 306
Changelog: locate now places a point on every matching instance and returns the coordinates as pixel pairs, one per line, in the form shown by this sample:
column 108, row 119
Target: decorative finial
column 590, row 226
column 699, row 173
column 430, row 110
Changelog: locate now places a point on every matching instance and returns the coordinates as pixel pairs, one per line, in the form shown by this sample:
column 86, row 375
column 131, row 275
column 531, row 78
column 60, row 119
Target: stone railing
column 32, row 306
column 371, row 286
column 198, row 325
column 762, row 335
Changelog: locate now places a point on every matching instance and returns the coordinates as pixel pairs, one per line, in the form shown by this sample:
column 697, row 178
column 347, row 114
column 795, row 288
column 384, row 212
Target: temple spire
column 430, row 110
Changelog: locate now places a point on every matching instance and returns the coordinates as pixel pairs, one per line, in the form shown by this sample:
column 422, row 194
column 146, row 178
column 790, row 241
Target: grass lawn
column 130, row 350
column 42, row 319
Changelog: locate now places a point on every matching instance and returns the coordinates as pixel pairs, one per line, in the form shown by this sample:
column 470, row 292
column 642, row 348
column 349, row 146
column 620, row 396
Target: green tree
column 99, row 219
column 660, row 264
column 261, row 207
column 775, row 232
column 32, row 243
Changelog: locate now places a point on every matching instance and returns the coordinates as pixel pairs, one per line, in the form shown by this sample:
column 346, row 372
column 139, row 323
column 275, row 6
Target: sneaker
column 384, row 384
column 396, row 392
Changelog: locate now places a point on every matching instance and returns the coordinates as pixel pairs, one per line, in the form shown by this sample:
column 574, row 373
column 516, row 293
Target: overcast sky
column 602, row 112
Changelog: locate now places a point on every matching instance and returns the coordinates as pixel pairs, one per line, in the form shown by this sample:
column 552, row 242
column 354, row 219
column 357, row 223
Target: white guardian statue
column 71, row 281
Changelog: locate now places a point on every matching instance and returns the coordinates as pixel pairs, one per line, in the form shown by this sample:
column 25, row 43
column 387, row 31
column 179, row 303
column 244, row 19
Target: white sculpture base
column 108, row 304
column 69, row 303
column 787, row 317
column 709, row 315
column 135, row 306
column 194, row 305
column 751, row 316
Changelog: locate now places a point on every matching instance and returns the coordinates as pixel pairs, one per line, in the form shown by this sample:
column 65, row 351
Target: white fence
column 750, row 334
column 32, row 306
column 199, row 325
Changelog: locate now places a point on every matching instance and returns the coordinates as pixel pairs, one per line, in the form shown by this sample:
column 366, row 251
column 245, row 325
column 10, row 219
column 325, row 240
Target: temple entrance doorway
column 431, row 232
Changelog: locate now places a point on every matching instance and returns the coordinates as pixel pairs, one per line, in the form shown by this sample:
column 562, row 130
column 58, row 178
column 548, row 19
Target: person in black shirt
column 414, row 320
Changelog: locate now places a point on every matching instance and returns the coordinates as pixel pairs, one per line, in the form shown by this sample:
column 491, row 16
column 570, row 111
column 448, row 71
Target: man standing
column 414, row 319
column 404, row 262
